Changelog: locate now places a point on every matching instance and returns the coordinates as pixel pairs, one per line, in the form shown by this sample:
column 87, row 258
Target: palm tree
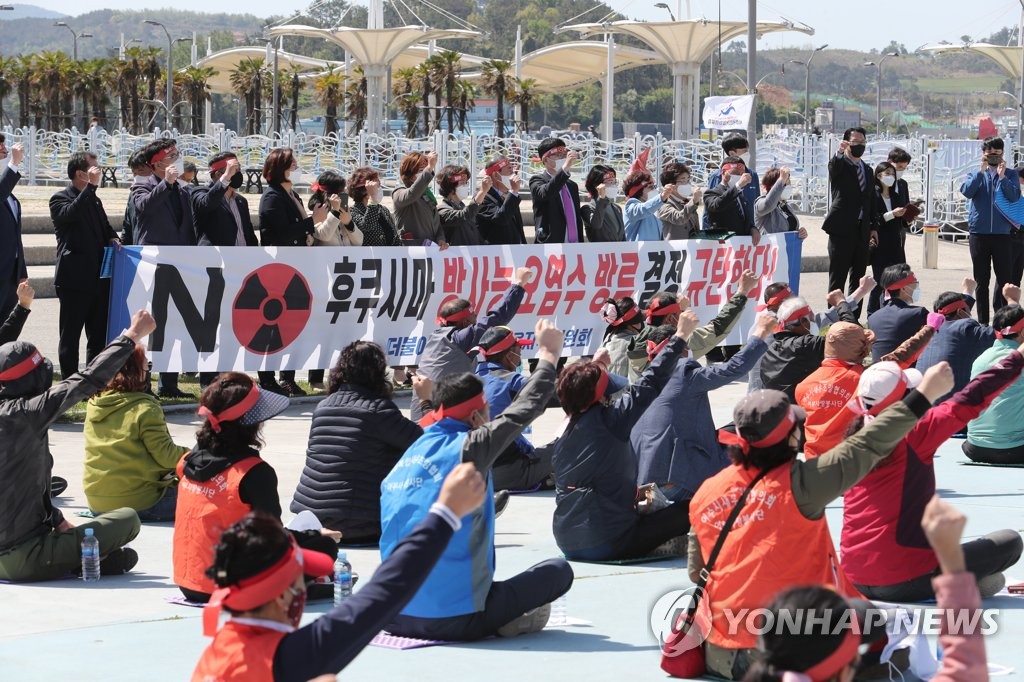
column 24, row 74
column 93, row 78
column 247, row 84
column 525, row 95
column 423, row 85
column 7, row 81
column 355, row 95
column 449, row 66
column 402, row 81
column 52, row 69
column 129, row 77
column 195, row 88
column 495, row 79
column 330, row 94
column 152, row 71
column 296, row 86
column 466, row 95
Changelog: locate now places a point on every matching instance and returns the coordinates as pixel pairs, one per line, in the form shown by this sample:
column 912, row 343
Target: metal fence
column 935, row 174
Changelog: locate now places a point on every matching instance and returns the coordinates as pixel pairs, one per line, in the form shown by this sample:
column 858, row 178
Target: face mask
column 916, row 296
column 179, row 165
column 236, row 181
column 888, row 180
column 857, row 150
column 685, row 191
column 559, row 165
column 814, row 331
column 900, row 174
column 734, row 181
column 3, row 164
column 378, row 195
column 787, row 192
column 462, row 191
column 746, row 157
column 297, row 606
column 611, row 192
column 994, row 159
column 506, row 180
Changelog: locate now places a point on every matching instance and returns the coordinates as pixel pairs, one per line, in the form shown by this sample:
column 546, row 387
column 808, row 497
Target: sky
column 875, row 23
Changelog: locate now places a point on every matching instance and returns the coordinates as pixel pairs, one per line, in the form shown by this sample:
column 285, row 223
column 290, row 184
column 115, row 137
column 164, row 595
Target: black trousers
column 1016, row 262
column 983, row 455
column 81, row 309
column 990, row 252
column 506, row 601
column 985, row 556
column 515, row 471
column 847, row 262
column 649, row 531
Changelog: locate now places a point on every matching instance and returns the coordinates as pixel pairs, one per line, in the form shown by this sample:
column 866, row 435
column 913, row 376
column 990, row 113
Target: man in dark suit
column 163, row 216
column 556, row 198
column 848, row 223
column 12, row 251
column 725, row 206
column 83, row 232
column 898, row 319
column 139, row 169
column 499, row 219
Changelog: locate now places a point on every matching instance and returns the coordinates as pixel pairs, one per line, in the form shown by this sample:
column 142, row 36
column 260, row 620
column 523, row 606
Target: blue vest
column 500, row 387
column 462, row 577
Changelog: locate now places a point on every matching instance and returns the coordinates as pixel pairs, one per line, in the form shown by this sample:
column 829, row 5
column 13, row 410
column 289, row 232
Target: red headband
column 162, row 154
column 599, row 389
column 497, row 166
column 656, row 310
column 838, row 659
column 458, row 179
column 22, row 368
column 219, row 166
column 626, row 317
column 231, row 413
column 502, row 345
column 317, row 187
column 959, row 304
column 776, row 435
column 793, row 317
column 1001, row 334
column 654, row 348
column 253, row 591
column 456, row 316
column 730, row 167
column 551, row 151
column 779, row 297
column 460, row 411
column 637, row 189
column 909, row 279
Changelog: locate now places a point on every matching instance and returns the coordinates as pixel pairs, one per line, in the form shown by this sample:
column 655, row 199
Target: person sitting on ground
column 602, row 217
column 356, row 437
column 961, row 338
column 223, row 478
column 772, row 215
column 447, row 348
column 897, row 320
column 678, row 215
column 596, row 517
column 416, row 214
column 458, row 217
column 781, row 539
column 675, row 442
column 724, row 204
column 664, row 309
column 36, row 541
column 259, row 571
column 130, row 456
column 521, row 466
column 797, row 349
column 832, row 653
column 625, row 323
column 996, row 436
column 879, row 555
column 460, row 601
column 643, row 199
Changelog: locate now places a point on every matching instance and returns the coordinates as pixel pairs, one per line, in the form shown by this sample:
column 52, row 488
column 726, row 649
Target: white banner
column 251, row 308
column 728, row 112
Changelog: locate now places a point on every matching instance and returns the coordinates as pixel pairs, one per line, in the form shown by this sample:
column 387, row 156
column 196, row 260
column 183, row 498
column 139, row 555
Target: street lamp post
column 664, row 6
column 74, row 38
column 170, row 72
column 878, row 89
column 807, row 86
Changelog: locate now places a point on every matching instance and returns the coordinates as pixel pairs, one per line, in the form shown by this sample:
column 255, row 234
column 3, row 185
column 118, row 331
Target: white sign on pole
column 728, row 112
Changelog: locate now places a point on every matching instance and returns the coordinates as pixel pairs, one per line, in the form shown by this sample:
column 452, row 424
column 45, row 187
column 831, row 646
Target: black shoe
column 119, row 562
column 501, row 499
column 292, row 389
column 274, row 387
column 174, row 393
column 57, row 485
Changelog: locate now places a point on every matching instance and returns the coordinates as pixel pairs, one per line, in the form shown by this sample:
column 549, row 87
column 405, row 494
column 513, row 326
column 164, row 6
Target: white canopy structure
column 227, row 61
column 1007, row 57
column 684, row 45
column 570, row 65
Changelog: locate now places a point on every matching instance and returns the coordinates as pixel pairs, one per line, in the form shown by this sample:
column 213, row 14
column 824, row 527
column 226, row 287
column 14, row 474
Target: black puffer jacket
column 354, row 441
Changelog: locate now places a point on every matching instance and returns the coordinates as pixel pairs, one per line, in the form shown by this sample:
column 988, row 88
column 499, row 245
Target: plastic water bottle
column 342, row 579
column 90, row 557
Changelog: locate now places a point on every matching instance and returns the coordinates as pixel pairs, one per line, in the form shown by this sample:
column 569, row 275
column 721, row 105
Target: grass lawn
column 987, row 84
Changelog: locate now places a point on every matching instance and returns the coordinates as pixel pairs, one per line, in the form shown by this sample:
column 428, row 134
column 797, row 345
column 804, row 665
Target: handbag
column 690, row 663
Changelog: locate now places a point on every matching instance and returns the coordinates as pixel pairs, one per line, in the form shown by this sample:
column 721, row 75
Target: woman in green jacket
column 129, row 454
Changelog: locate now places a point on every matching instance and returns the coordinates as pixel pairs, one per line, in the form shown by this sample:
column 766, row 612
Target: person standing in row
column 735, row 145
column 499, row 219
column 458, row 209
column 678, row 215
column 415, row 205
column 369, row 215
column 12, row 260
column 83, row 232
column 848, row 223
column 556, row 198
column 601, row 215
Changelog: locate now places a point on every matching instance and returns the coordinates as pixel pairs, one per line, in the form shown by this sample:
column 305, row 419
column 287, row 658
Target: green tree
column 402, row 85
column 330, row 94
column 355, row 96
column 496, row 79
column 525, row 95
column 246, row 81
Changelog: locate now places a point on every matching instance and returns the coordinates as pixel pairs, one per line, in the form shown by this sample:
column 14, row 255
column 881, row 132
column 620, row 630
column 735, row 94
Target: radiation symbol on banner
column 271, row 308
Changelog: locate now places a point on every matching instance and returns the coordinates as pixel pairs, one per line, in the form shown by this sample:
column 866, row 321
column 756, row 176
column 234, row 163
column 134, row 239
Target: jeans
column 990, row 252
column 163, row 510
column 649, row 531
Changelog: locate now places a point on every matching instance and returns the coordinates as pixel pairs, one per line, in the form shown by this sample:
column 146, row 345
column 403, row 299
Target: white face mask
column 507, row 181
column 900, row 174
column 787, row 192
column 916, row 296
column 559, row 165
column 814, row 328
column 888, row 180
column 746, row 157
column 378, row 195
column 734, row 180
column 611, row 192
column 685, row 191
column 462, row 191
column 179, row 165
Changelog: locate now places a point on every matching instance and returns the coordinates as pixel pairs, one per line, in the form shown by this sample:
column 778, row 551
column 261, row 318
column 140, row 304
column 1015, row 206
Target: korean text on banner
column 728, row 112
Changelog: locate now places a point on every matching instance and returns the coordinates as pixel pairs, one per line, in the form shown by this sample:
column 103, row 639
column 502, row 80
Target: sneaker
column 274, row 387
column 292, row 389
column 57, row 485
column 119, row 562
column 991, row 585
column 675, row 547
column 174, row 393
column 318, row 385
column 501, row 499
column 531, row 621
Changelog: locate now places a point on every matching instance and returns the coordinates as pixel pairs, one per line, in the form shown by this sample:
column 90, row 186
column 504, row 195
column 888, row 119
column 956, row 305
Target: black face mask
column 994, row 159
column 857, row 150
column 236, row 181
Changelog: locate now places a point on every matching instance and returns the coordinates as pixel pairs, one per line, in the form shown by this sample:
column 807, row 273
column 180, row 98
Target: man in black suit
column 12, row 251
column 139, row 169
column 83, row 232
column 163, row 216
column 724, row 204
column 556, row 198
column 499, row 219
column 848, row 223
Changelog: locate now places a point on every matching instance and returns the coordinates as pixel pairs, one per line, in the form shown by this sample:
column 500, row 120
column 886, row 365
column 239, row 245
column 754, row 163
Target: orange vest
column 771, row 547
column 239, row 653
column 824, row 395
column 205, row 510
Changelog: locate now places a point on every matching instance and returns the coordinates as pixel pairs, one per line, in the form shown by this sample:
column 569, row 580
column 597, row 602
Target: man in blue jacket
column 989, row 229
column 460, row 601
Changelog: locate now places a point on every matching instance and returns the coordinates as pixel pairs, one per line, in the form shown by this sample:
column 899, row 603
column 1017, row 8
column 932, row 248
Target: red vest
column 824, row 395
column 205, row 510
column 239, row 653
column 771, row 547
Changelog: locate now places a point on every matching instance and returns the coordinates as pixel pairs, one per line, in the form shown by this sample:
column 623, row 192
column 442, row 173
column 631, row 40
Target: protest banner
column 250, row 308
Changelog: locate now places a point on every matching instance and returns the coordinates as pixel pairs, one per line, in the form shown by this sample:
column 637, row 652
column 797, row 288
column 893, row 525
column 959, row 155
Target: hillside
column 29, row 11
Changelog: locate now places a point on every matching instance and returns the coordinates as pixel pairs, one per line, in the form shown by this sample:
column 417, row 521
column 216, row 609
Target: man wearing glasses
column 12, row 252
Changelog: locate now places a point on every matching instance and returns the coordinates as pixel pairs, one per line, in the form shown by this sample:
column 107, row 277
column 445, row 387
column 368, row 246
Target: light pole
column 878, row 89
column 74, row 37
column 807, row 86
column 662, row 5
column 170, row 72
